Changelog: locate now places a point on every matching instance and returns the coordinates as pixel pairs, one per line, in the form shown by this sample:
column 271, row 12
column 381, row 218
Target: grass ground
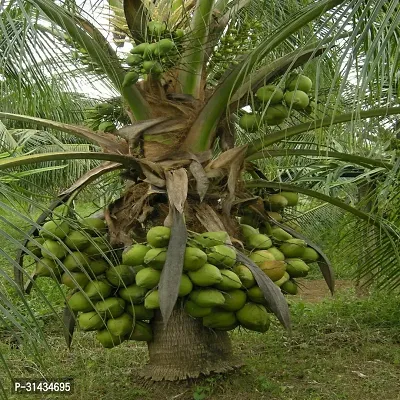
column 340, row 349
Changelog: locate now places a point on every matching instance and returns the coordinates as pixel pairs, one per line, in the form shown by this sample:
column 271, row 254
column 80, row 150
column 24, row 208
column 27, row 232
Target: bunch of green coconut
column 155, row 56
column 274, row 104
column 281, row 256
column 101, row 116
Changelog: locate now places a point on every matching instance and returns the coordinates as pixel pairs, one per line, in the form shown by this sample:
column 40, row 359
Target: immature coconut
column 98, row 290
column 299, row 82
column 48, row 268
column 33, row 246
column 120, row 275
column 290, row 287
column 210, row 239
column 194, row 259
column 78, row 302
column 276, row 114
column 135, row 254
column 108, row 340
column 297, row 99
column 52, row 249
column 280, row 235
column 141, row 333
column 140, row 48
column 258, row 241
column 245, row 275
column 220, row 320
column 249, row 122
column 133, row 294
column 152, row 300
column 248, row 230
column 57, row 228
column 195, row 310
column 163, row 47
column 155, row 258
column 273, row 269
column 256, row 295
column 158, row 236
column 309, row 254
column 97, row 267
column 278, row 255
column 134, row 59
column 139, row 312
column 90, row 321
column 148, row 278
column 254, row 317
column 74, row 279
column 207, row 297
column 97, row 247
column 121, row 325
column 112, row 307
column 275, row 202
column 230, row 281
column 185, row 286
column 93, row 225
column 284, row 279
column 270, row 93
column 156, row 28
column 153, row 67
column 76, row 261
column 234, row 300
column 222, row 256
column 207, row 275
column 293, row 248
column 291, row 197
column 297, row 268
column 260, row 256
column 275, row 215
column 108, row 126
column 130, row 78
column 77, row 240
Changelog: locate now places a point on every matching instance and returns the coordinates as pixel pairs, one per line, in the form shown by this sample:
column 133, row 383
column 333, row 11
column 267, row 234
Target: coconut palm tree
column 192, row 131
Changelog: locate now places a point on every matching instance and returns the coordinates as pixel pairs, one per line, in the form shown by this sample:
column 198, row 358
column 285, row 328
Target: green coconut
column 53, row 250
column 265, row 228
column 299, row 82
column 155, row 258
column 260, row 256
column 254, row 317
column 186, row 286
column 211, row 239
column 276, row 202
column 245, row 275
column 273, row 269
column 258, row 241
column 133, row 294
column 152, row 66
column 90, row 321
column 97, row 267
column 130, row 78
column 249, row 122
column 78, row 302
column 280, row 235
column 276, row 114
column 121, row 325
column 106, row 126
column 290, row 287
column 256, row 295
column 163, row 47
column 77, row 240
column 234, row 300
column 93, row 225
column 141, row 333
column 293, row 248
column 291, row 197
column 33, row 246
column 195, row 310
column 57, row 228
column 248, row 230
column 220, row 320
column 252, row 221
column 152, row 300
column 297, row 268
column 158, row 236
column 112, row 307
column 120, row 275
column 98, row 290
column 140, row 48
column 284, row 279
column 97, row 247
column 48, row 268
column 278, row 255
column 270, row 93
column 139, row 312
column 156, row 28
column 297, row 99
column 74, row 279
column 134, row 255
column 148, row 278
column 76, row 261
column 134, row 59
column 230, row 281
column 207, row 297
column 108, row 340
column 222, row 256
column 194, row 259
column 309, row 254
column 207, row 275
column 275, row 215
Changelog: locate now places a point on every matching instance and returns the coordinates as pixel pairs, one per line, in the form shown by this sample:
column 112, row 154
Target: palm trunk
column 186, row 349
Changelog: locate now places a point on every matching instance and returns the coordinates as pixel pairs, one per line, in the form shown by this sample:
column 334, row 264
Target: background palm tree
column 177, row 130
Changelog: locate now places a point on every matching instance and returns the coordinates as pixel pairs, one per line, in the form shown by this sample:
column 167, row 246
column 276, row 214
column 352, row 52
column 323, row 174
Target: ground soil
column 313, row 291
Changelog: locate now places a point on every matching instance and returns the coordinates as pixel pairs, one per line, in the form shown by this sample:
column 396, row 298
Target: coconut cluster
column 273, row 103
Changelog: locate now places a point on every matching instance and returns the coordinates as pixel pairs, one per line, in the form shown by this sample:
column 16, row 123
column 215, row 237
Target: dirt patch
column 313, row 291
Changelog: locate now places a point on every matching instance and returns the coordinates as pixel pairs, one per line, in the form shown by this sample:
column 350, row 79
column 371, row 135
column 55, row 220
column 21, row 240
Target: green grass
column 345, row 348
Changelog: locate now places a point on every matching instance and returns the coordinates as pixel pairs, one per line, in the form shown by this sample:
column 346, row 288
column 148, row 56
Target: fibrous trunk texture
column 186, row 349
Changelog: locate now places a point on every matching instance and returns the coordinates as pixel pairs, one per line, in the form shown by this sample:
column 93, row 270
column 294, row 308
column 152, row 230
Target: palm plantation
column 184, row 120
